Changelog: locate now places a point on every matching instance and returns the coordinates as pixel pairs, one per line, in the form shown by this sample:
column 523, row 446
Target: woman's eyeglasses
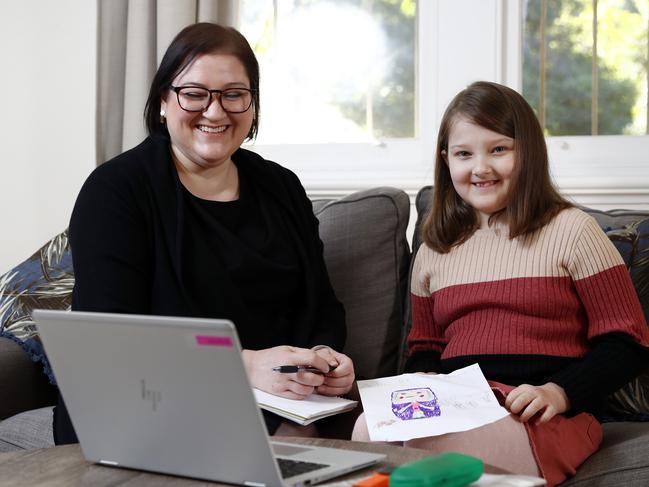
column 197, row 99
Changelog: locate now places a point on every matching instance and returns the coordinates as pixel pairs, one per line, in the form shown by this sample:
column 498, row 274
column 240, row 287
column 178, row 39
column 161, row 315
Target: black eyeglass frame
column 177, row 89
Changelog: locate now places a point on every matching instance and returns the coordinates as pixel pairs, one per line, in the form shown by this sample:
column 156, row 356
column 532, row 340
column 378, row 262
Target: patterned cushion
column 45, row 280
column 632, row 241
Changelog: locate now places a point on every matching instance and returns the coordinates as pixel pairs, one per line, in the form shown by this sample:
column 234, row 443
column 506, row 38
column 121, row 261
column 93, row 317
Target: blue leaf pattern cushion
column 45, row 280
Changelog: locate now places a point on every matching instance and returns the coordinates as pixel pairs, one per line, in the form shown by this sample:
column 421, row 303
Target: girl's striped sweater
column 555, row 306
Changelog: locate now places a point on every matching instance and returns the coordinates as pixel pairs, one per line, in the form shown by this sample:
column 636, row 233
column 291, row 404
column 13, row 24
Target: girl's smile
column 485, row 184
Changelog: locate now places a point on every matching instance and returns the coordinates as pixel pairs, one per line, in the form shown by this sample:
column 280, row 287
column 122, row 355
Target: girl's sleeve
column 426, row 339
column 617, row 330
column 604, row 286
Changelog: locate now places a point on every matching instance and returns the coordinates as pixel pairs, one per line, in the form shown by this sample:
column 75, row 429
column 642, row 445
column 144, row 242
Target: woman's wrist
column 248, row 357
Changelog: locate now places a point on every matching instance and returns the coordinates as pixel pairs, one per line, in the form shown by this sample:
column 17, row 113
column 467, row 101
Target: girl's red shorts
column 561, row 444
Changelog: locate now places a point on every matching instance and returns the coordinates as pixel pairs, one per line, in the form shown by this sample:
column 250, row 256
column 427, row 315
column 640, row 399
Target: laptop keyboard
column 291, row 468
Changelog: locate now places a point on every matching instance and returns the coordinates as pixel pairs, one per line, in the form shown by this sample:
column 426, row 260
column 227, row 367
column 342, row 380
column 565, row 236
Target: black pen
column 292, row 369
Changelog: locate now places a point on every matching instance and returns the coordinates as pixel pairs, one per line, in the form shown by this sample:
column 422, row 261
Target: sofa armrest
column 23, row 385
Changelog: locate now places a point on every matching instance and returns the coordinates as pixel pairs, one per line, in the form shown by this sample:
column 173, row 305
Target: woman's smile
column 206, row 139
column 208, row 129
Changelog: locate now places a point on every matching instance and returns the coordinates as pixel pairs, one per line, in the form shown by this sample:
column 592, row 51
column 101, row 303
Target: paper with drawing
column 410, row 406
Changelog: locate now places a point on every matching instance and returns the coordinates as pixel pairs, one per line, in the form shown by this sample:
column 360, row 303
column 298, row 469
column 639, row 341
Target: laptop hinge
column 254, row 484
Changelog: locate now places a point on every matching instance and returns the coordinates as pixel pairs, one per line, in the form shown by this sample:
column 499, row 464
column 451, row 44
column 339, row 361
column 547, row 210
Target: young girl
column 513, row 277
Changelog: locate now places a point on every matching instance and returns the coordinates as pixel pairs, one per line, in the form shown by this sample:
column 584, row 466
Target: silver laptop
column 171, row 395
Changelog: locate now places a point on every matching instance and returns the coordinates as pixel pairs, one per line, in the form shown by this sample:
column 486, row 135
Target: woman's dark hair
column 533, row 200
column 193, row 41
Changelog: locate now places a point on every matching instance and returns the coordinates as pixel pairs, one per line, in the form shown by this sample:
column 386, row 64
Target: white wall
column 47, row 127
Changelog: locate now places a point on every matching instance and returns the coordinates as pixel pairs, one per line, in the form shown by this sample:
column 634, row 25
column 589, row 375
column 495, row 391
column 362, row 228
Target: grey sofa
column 368, row 257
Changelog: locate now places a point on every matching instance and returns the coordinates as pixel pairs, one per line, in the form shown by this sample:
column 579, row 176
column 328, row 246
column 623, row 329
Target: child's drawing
column 452, row 402
column 467, row 401
column 383, row 424
column 415, row 403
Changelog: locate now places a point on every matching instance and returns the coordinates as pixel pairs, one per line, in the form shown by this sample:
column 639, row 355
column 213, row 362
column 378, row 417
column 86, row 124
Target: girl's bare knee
column 503, row 444
column 360, row 432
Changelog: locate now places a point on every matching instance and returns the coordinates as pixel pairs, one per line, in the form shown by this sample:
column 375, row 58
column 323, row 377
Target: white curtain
column 132, row 36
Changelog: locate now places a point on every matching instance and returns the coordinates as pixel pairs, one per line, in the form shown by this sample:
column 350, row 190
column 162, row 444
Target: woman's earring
column 162, row 117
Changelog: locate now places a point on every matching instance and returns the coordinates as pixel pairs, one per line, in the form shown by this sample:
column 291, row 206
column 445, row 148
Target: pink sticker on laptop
column 214, row 341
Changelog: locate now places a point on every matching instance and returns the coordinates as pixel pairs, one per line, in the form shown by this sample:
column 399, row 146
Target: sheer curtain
column 132, row 36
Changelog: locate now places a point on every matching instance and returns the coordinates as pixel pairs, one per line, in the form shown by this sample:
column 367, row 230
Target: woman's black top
column 250, row 244
column 142, row 244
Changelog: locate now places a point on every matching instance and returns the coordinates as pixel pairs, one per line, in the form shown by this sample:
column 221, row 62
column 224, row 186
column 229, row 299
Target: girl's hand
column 528, row 400
column 259, row 366
column 340, row 380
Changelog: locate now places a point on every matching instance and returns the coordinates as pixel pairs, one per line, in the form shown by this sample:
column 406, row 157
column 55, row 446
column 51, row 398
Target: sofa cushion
column 44, row 280
column 23, row 385
column 629, row 232
column 28, row 430
column 367, row 256
column 622, row 459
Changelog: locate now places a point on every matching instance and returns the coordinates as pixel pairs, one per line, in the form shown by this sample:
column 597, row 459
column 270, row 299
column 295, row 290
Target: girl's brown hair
column 533, row 200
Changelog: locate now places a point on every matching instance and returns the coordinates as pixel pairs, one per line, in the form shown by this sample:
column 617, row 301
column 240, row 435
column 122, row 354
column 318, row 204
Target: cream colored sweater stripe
column 570, row 245
column 531, row 295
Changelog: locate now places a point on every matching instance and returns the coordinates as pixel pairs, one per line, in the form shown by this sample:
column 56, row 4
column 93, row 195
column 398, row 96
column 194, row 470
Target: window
column 585, row 65
column 584, row 70
column 445, row 45
column 342, row 103
column 340, row 71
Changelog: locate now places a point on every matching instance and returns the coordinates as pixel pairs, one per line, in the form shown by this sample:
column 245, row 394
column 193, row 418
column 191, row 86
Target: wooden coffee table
column 65, row 466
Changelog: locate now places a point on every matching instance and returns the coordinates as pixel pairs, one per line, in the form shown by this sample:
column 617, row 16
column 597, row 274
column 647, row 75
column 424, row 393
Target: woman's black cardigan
column 126, row 235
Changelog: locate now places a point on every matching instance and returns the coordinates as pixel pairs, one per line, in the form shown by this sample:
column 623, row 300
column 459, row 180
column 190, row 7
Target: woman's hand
column 340, row 380
column 528, row 400
column 259, row 366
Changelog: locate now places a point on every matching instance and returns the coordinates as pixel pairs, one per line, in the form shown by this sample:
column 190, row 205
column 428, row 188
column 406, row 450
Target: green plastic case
column 444, row 470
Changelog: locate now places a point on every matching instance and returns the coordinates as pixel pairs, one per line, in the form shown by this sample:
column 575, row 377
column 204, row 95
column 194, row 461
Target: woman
column 189, row 224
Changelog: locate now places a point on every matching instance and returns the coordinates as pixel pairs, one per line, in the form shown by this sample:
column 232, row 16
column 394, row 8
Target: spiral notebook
column 304, row 411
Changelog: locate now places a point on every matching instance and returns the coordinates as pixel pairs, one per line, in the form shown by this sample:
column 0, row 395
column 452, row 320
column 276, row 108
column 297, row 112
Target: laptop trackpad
column 284, row 450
